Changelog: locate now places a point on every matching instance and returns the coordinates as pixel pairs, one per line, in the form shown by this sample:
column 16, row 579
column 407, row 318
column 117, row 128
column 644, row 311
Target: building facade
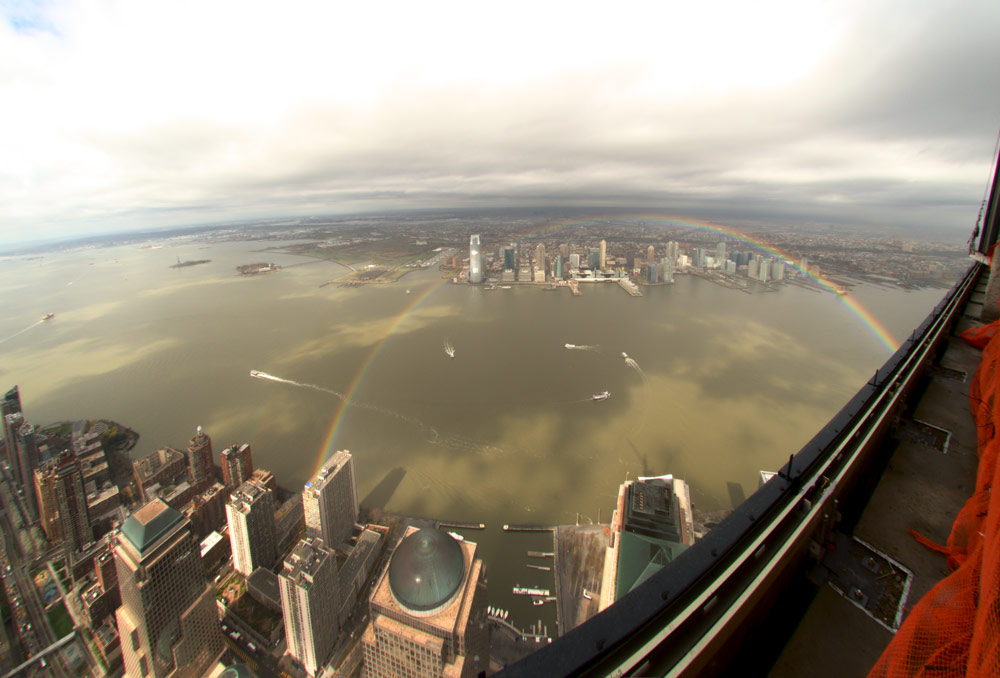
column 167, row 622
column 428, row 611
column 237, row 465
column 309, row 602
column 201, row 466
column 330, row 500
column 475, row 260
column 250, row 514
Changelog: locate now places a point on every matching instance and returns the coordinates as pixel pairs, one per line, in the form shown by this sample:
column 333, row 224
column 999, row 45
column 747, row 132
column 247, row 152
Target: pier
column 629, row 287
column 527, row 528
column 541, row 554
column 462, row 526
column 543, row 568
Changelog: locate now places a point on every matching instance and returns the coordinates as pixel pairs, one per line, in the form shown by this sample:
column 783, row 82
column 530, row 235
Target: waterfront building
column 508, row 258
column 752, row 269
column 594, row 257
column 557, row 268
column 720, row 255
column 668, row 270
column 201, row 467
column 777, row 270
column 540, row 258
column 167, row 621
column 651, row 525
column 763, row 268
column 250, row 515
column 604, row 254
column 308, row 585
column 475, row 260
column 649, row 255
column 574, row 261
column 652, row 273
column 731, row 267
column 428, row 610
column 330, row 500
column 10, row 405
column 564, row 251
column 237, row 465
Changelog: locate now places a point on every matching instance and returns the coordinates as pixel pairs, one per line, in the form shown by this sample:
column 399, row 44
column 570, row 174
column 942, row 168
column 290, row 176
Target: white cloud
column 133, row 114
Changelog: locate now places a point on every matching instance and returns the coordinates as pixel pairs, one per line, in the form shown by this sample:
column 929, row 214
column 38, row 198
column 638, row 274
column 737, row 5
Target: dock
column 463, row 526
column 541, row 554
column 574, row 287
column 629, row 287
column 523, row 591
column 543, row 568
column 527, row 528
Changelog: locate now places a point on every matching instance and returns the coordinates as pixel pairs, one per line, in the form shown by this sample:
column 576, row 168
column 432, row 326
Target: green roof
column 149, row 523
column 426, row 570
column 639, row 557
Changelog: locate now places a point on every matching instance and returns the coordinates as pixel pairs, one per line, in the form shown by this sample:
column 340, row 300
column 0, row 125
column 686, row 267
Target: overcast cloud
column 126, row 115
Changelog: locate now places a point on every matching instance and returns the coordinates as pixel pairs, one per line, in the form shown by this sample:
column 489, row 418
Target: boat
column 450, row 350
column 48, row 316
column 255, row 373
column 625, row 355
column 407, row 291
column 570, row 345
column 603, row 395
column 537, row 601
column 587, row 595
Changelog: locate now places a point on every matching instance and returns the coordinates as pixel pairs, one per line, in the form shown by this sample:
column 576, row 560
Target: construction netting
column 954, row 630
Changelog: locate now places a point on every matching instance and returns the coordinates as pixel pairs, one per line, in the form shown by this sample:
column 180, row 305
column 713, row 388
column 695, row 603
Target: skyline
column 144, row 117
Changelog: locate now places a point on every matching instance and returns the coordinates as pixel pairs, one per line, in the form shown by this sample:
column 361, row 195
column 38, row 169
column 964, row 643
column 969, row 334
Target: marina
column 522, row 591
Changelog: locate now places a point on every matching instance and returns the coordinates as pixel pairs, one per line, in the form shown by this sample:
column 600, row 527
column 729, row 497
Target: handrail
column 671, row 623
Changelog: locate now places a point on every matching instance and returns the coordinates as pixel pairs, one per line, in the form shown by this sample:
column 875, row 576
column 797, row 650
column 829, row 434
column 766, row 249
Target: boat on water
column 407, row 291
column 537, row 601
column 255, row 373
column 450, row 350
column 587, row 595
column 625, row 355
column 603, row 395
column 570, row 345
column 48, row 316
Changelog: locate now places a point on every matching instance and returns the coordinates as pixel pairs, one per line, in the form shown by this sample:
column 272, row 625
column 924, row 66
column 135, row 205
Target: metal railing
column 688, row 617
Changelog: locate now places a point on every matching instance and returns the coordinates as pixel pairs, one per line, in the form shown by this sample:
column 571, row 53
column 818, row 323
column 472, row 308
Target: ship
column 570, row 345
column 625, row 355
column 603, row 395
column 255, row 373
column 48, row 316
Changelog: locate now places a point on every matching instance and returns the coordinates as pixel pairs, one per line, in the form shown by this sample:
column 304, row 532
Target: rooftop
column 144, row 527
column 426, row 570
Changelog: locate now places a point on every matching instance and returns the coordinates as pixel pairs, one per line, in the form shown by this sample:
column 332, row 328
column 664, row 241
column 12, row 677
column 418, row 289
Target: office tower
column 668, row 270
column 752, row 269
column 200, row 462
column 237, row 465
column 167, row 621
column 71, row 504
column 557, row 268
column 330, row 500
column 574, row 261
column 777, row 269
column 508, row 258
column 540, row 258
column 651, row 525
column 48, row 513
column 649, row 255
column 763, row 267
column 652, row 273
column 720, row 255
column 673, row 250
column 27, row 460
column 428, row 614
column 603, row 258
column 564, row 251
column 593, row 257
column 250, row 515
column 11, row 404
column 308, row 586
column 475, row 260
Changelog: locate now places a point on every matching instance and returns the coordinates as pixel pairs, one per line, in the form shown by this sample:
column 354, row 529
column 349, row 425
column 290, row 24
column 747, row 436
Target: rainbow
column 865, row 316
column 330, row 438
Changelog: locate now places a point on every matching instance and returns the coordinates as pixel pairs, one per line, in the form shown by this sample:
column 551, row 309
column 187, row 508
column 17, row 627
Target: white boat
column 254, row 373
column 624, row 355
column 407, row 291
column 587, row 595
column 603, row 395
column 48, row 316
column 537, row 601
column 570, row 345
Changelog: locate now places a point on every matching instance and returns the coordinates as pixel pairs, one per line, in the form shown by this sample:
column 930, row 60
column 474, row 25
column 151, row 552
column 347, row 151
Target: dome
column 426, row 570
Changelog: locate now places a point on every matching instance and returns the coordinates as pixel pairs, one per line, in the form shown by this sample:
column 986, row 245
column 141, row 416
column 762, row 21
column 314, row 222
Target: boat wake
column 449, row 349
column 434, row 437
column 20, row 332
column 582, row 347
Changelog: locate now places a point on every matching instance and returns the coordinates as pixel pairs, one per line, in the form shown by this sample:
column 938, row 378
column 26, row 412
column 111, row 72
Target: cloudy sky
column 126, row 114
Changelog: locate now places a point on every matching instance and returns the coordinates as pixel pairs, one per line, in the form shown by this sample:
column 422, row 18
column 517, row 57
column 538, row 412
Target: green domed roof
column 426, row 570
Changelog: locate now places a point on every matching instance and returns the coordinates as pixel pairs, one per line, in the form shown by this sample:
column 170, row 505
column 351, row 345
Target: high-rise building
column 309, row 602
column 71, row 504
column 651, row 525
column 11, row 404
column 603, row 259
column 200, row 463
column 574, row 261
column 593, row 257
column 557, row 267
column 650, row 258
column 330, row 500
column 668, row 270
column 763, row 268
column 167, row 622
column 540, row 258
column 564, row 251
column 237, row 465
column 475, row 260
column 752, row 266
column 27, row 460
column 250, row 514
column 45, row 492
column 428, row 615
column 508, row 258
column 720, row 255
column 652, row 273
column 777, row 269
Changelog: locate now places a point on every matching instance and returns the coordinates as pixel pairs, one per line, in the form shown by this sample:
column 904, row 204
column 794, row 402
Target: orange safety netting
column 955, row 628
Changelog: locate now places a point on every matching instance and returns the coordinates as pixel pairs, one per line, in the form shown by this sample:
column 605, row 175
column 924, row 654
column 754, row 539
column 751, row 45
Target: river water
column 723, row 384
